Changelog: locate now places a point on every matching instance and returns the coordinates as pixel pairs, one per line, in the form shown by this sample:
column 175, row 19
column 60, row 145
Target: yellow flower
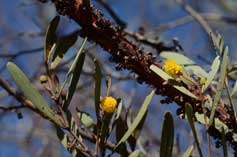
column 172, row 68
column 108, row 104
column 43, row 79
column 203, row 81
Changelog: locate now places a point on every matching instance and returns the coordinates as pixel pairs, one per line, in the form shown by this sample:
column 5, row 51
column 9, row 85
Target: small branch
column 20, row 53
column 128, row 56
column 27, row 104
column 151, row 42
column 4, row 84
column 195, row 15
column 10, row 108
column 187, row 19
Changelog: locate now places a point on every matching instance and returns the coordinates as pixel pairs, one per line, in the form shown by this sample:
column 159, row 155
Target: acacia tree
column 111, row 126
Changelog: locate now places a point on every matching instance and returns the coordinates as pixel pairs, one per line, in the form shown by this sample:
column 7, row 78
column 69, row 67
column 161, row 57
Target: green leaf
column 220, row 85
column 50, row 37
column 74, row 66
column 141, row 113
column 138, row 129
column 167, row 77
column 33, row 94
column 188, row 152
column 75, row 72
column 178, row 57
column 86, row 119
column 234, row 89
column 62, row 47
column 98, row 77
column 108, row 84
column 121, row 127
column 190, row 66
column 212, row 73
column 195, row 70
column 119, row 109
column 167, row 137
column 105, row 129
column 217, row 123
column 218, row 42
column 190, row 116
column 225, row 151
column 65, row 141
column 135, row 153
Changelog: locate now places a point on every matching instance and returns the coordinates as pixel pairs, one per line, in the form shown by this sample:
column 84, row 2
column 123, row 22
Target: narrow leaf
column 212, row 73
column 76, row 60
column 167, row 77
column 220, row 85
column 167, row 137
column 98, row 77
column 75, row 72
column 119, row 109
column 225, row 152
column 219, row 125
column 190, row 66
column 105, row 128
column 62, row 47
column 108, row 84
column 86, row 119
column 121, row 127
column 188, row 152
column 65, row 141
column 190, row 116
column 50, row 37
column 178, row 57
column 32, row 93
column 234, row 89
column 72, row 126
column 219, row 42
column 138, row 129
column 135, row 153
column 141, row 113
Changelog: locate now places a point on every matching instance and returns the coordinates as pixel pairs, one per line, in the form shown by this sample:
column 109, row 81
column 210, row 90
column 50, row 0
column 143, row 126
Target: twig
column 151, row 42
column 10, row 108
column 27, row 104
column 4, row 84
column 20, row 53
column 195, row 15
column 187, row 19
column 127, row 55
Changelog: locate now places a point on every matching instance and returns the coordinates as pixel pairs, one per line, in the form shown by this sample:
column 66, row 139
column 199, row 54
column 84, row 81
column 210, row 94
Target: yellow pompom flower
column 43, row 79
column 203, row 81
column 172, row 68
column 108, row 104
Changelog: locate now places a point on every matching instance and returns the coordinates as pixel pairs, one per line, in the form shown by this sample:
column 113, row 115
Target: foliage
column 112, row 127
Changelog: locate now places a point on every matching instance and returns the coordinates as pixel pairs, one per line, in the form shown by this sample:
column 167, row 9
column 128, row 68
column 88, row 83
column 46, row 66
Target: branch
column 28, row 104
column 10, row 108
column 128, row 56
column 187, row 19
column 20, row 53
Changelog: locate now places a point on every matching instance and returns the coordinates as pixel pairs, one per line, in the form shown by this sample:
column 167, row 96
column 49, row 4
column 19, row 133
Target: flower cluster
column 43, row 79
column 172, row 68
column 108, row 104
column 203, row 81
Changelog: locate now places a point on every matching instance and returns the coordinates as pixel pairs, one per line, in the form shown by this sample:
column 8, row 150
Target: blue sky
column 30, row 17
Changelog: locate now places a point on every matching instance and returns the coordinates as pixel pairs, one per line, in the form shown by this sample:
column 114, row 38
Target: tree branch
column 128, row 56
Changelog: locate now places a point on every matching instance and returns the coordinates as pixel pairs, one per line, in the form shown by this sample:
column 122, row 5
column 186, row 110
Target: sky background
column 22, row 27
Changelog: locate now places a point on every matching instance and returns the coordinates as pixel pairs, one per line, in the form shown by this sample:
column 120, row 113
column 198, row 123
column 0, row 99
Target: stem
column 206, row 123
